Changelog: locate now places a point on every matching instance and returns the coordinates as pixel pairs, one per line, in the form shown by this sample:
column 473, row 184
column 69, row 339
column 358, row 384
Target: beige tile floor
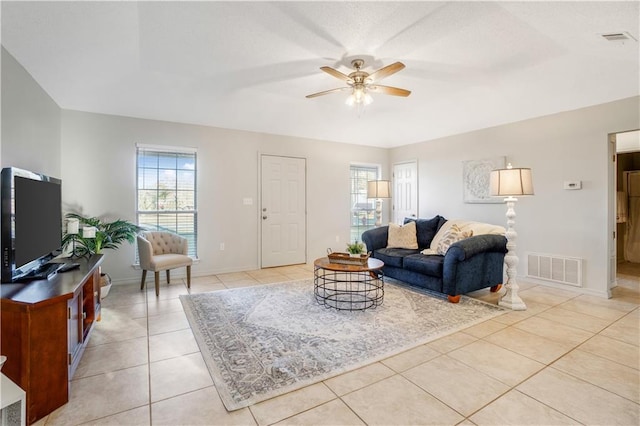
column 567, row 359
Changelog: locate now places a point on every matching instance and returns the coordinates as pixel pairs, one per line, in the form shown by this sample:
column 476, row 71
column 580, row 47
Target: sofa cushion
column 427, row 265
column 453, row 234
column 402, row 236
column 393, row 256
column 426, row 229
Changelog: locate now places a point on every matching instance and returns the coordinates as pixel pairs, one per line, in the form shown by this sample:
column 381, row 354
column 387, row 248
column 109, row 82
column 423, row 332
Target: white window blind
column 166, row 191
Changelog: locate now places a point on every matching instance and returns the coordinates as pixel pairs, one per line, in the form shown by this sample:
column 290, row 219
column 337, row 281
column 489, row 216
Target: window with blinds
column 166, row 191
column 363, row 210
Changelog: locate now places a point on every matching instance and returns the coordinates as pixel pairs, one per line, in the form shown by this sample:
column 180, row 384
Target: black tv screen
column 31, row 221
column 38, row 219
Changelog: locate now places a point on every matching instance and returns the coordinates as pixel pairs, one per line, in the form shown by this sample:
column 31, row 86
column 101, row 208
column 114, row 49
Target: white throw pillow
column 480, row 228
column 402, row 236
column 452, row 235
column 476, row 228
column 433, row 248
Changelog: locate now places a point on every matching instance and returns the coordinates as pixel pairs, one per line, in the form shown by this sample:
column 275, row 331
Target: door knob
column 264, row 217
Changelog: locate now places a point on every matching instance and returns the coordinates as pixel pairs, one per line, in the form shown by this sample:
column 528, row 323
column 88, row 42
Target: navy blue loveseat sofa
column 470, row 264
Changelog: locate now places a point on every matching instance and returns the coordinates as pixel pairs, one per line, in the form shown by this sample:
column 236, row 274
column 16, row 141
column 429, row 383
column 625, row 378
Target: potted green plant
column 355, row 248
column 108, row 235
column 104, row 235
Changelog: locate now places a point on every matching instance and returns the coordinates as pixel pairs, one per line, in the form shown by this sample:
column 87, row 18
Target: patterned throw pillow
column 452, row 235
column 402, row 236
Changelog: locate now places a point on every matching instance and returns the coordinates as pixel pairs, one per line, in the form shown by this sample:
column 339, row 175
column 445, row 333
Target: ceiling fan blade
column 387, row 90
column 385, row 71
column 326, row 92
column 336, row 73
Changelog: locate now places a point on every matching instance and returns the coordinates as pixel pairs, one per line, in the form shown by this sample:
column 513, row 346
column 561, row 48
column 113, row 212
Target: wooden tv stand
column 45, row 328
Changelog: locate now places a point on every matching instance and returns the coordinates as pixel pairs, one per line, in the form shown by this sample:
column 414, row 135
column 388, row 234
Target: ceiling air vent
column 618, row 37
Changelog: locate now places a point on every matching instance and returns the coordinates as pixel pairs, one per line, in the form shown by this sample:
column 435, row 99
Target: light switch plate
column 572, row 184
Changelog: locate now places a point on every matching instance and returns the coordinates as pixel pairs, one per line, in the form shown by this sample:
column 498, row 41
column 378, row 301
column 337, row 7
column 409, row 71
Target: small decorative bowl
column 2, row 360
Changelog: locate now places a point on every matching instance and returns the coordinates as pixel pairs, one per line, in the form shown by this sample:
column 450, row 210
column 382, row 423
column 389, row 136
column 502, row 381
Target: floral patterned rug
column 263, row 341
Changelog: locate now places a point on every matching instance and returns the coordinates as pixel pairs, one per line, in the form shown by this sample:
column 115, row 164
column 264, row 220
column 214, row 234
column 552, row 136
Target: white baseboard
column 580, row 290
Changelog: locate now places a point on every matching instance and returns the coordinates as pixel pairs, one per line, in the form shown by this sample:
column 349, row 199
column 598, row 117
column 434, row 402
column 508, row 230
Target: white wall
column 30, row 122
column 98, row 163
column 566, row 146
column 628, row 141
column 95, row 156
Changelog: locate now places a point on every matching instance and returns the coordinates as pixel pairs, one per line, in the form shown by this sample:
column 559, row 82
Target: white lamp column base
column 378, row 212
column 511, row 299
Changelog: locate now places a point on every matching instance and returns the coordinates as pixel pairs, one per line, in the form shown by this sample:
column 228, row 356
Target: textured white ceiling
column 249, row 65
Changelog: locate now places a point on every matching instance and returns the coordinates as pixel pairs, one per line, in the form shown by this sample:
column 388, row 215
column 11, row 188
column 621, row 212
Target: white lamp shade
column 378, row 189
column 88, row 232
column 73, row 226
column 511, row 182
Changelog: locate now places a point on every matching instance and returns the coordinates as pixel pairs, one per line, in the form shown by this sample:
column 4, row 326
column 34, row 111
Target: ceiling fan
column 361, row 83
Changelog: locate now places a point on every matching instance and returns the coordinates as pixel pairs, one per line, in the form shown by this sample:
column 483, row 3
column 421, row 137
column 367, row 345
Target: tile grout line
column 146, row 298
column 546, row 365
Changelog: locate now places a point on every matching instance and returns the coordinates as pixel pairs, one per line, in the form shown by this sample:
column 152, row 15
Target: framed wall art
column 475, row 179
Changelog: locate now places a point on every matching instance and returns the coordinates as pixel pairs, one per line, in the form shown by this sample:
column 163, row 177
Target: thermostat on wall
column 572, row 184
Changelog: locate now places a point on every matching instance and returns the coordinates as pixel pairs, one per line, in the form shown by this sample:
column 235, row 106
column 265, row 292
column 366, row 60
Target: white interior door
column 283, row 211
column 405, row 191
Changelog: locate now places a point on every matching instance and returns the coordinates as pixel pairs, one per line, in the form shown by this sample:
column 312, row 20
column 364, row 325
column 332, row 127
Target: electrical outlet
column 337, row 238
column 221, row 246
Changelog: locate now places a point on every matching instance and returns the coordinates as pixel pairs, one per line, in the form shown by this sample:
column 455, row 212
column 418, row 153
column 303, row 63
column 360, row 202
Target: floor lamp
column 378, row 189
column 73, row 226
column 509, row 183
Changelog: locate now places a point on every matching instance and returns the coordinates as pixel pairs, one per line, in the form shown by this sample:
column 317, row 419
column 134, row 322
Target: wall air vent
column 551, row 267
column 620, row 37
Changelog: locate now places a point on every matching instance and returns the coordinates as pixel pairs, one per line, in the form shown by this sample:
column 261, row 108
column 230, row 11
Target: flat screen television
column 31, row 217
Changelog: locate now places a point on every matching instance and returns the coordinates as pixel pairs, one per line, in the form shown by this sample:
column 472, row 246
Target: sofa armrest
column 474, row 263
column 376, row 238
column 469, row 247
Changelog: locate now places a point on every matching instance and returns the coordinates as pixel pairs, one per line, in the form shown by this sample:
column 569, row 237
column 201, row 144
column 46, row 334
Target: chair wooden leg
column 144, row 277
column 157, row 277
column 495, row 288
column 189, row 276
column 168, row 277
column 454, row 299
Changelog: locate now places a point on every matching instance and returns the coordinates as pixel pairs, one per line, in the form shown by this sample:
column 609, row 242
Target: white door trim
column 612, row 161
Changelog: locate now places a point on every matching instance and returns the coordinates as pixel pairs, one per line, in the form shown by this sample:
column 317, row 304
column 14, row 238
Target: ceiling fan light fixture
column 359, row 96
column 350, row 101
column 360, row 83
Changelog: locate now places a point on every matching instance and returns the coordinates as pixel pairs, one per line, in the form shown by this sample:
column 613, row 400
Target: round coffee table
column 348, row 287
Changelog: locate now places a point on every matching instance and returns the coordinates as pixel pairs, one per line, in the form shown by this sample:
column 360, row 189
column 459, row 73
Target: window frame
column 355, row 231
column 178, row 151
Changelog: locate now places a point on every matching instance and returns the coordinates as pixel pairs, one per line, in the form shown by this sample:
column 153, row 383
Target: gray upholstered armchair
column 162, row 251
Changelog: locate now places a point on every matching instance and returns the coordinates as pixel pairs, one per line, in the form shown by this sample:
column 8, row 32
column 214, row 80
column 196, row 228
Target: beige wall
column 30, row 122
column 95, row 156
column 98, row 162
column 566, row 146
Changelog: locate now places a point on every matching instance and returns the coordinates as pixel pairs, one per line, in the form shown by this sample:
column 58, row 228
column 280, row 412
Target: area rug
column 263, row 341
